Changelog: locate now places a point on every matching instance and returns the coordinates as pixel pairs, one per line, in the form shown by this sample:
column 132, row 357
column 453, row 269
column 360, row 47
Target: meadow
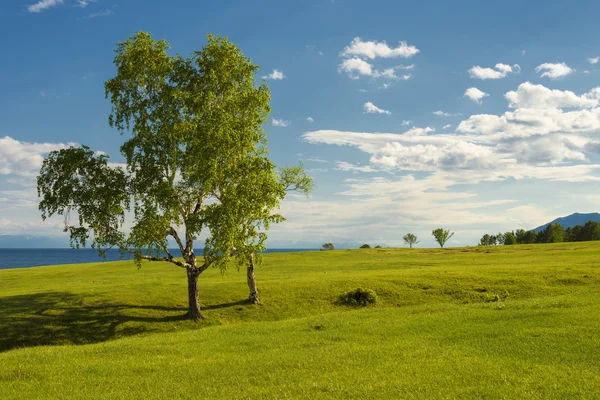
column 487, row 323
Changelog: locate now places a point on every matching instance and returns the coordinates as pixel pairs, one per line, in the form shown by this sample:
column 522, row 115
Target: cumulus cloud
column 529, row 95
column 554, row 71
column 447, row 126
column 43, row 5
column 374, row 49
column 280, row 122
column 475, row 94
column 593, row 60
column 371, row 108
column 359, row 55
column 500, row 71
column 275, row 75
column 24, row 158
column 310, row 119
column 406, row 122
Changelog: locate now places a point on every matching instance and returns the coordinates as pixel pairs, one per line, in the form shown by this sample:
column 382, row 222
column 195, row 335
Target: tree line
column 553, row 233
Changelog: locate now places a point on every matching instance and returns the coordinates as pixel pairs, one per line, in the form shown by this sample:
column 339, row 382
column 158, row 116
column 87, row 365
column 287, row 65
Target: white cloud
column 447, row 126
column 529, row 95
column 24, row 158
column 310, row 119
column 345, row 166
column 553, row 71
column 275, row 75
column 593, row 60
column 441, row 113
column 475, row 94
column 355, row 67
column 84, row 3
column 374, row 49
column 99, row 14
column 43, row 5
column 280, row 122
column 371, row 108
column 362, row 90
column 385, row 86
column 500, row 71
column 406, row 122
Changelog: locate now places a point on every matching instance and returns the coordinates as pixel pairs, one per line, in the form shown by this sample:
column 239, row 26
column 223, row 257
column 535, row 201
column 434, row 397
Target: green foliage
column 358, row 297
column 553, row 233
column 365, row 246
column 442, row 236
column 509, row 239
column 485, row 240
column 327, row 246
column 378, row 247
column 196, row 159
column 410, row 239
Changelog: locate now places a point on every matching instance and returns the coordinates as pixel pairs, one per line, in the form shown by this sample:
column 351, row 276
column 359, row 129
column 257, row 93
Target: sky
column 468, row 115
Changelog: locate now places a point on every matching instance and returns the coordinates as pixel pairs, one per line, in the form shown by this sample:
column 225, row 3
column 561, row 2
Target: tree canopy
column 410, row 239
column 441, row 236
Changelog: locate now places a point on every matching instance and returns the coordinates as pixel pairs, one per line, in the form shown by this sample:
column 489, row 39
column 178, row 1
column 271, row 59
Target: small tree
column 500, row 239
column 485, row 240
column 442, row 236
column 509, row 239
column 365, row 246
column 328, row 246
column 410, row 239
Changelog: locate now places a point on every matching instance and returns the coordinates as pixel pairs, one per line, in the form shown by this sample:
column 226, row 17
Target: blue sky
column 473, row 116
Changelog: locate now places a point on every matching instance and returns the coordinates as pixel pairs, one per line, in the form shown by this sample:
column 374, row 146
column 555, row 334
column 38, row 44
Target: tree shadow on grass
column 62, row 318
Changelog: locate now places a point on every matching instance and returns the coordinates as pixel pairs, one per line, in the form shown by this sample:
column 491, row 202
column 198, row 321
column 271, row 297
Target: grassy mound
column 514, row 322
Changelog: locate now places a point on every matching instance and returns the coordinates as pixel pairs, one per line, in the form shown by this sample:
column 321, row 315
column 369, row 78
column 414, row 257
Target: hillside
column 510, row 322
column 572, row 220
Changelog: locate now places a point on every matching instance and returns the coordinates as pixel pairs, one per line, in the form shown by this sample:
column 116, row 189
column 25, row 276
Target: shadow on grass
column 62, row 318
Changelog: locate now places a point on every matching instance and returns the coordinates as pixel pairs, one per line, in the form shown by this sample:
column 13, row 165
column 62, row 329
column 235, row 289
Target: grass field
column 488, row 323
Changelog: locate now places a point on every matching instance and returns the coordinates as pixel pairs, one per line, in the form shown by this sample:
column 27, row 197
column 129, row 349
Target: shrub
column 358, row 297
column 365, row 246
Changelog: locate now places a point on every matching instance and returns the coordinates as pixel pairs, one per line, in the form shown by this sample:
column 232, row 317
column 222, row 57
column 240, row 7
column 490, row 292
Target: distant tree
column 378, row 247
column 410, row 239
column 485, row 240
column 530, row 237
column 520, row 235
column 499, row 238
column 554, row 233
column 493, row 240
column 365, row 246
column 509, row 239
column 442, row 236
column 590, row 231
column 328, row 246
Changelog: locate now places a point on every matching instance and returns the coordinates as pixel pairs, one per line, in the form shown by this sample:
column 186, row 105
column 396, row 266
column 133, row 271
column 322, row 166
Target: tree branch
column 152, row 258
column 175, row 235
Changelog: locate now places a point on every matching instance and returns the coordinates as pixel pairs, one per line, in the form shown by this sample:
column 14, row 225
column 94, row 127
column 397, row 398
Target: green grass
column 511, row 322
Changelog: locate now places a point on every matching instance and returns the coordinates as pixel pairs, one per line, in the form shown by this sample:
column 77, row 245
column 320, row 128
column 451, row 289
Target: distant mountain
column 32, row 242
column 572, row 220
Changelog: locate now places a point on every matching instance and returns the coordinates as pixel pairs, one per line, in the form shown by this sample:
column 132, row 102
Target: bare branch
column 173, row 232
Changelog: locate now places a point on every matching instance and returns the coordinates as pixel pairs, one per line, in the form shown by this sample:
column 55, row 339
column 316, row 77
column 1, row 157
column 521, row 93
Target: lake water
column 25, row 258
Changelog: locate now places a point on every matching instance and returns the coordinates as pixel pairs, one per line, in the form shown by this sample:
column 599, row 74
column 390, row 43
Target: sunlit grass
column 512, row 322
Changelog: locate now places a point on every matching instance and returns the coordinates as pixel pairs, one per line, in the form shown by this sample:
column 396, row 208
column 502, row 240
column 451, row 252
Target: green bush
column 359, row 297
column 365, row 246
